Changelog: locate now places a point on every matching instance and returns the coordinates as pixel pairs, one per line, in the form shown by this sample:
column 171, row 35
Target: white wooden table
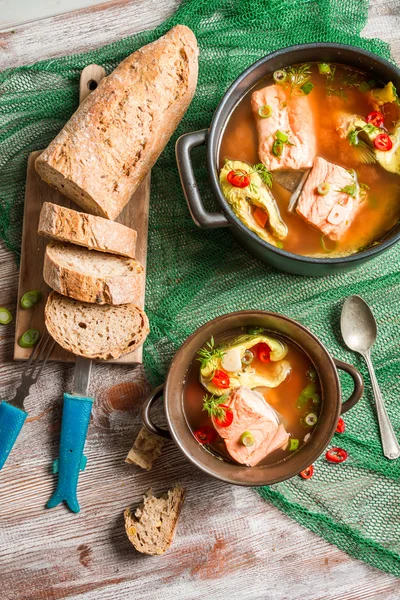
column 230, row 543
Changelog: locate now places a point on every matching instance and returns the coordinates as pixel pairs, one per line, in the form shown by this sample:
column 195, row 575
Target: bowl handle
column 145, row 414
column 183, row 148
column 358, row 384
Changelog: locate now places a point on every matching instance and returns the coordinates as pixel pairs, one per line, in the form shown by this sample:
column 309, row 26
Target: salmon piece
column 333, row 213
column 295, row 119
column 252, row 413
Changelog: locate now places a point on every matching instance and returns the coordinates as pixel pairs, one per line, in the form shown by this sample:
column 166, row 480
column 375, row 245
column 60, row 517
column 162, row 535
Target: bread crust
column 148, row 534
column 63, row 330
column 114, row 138
column 113, row 290
column 96, row 233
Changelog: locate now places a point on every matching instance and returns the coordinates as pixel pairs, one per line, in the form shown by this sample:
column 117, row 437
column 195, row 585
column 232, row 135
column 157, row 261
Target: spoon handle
column 391, row 448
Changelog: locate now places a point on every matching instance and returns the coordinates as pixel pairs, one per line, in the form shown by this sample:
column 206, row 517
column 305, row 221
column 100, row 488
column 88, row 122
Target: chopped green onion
column 31, row 298
column 279, row 244
column 293, row 445
column 324, row 69
column 309, row 419
column 255, row 330
column 325, row 247
column 280, row 76
column 5, row 316
column 247, row 439
column 281, row 136
column 29, row 339
column 265, row 111
column 310, row 392
column 323, row 188
column 311, row 375
column 277, row 148
column 307, row 87
column 364, row 86
column 247, row 357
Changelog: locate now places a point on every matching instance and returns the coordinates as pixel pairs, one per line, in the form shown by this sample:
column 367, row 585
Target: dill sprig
column 209, row 353
column 262, row 171
column 350, row 190
column 298, row 75
column 212, row 404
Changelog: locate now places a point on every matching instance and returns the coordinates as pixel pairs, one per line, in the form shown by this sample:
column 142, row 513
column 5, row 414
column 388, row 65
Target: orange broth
column 283, row 399
column 379, row 212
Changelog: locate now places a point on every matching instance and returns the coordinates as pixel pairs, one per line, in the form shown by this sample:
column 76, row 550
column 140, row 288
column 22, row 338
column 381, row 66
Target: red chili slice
column 341, row 426
column 221, row 379
column 376, row 118
column 383, row 142
column 238, row 179
column 205, row 435
column 307, row 473
column 264, row 352
column 336, row 455
column 226, row 419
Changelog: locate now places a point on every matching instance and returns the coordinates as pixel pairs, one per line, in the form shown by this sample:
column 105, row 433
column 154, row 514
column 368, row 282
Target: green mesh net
column 196, row 275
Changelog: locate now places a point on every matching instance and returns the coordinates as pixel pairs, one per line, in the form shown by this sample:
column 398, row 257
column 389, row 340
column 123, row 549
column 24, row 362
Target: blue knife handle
column 11, row 422
column 75, row 423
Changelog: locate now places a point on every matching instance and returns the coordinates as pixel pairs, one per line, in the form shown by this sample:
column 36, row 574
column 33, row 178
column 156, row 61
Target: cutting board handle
column 90, row 79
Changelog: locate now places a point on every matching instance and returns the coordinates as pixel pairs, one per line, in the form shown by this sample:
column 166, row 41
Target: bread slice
column 146, row 449
column 152, row 528
column 111, row 142
column 95, row 331
column 67, row 225
column 93, row 276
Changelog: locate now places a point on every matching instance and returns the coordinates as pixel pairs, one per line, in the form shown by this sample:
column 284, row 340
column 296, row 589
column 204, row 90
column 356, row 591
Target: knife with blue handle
column 77, row 406
column 75, row 423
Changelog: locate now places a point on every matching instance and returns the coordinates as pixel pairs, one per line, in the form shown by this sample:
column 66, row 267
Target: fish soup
column 252, row 397
column 337, row 124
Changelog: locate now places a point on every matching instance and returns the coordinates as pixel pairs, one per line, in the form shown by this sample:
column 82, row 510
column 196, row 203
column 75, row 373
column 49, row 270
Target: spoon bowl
column 358, row 325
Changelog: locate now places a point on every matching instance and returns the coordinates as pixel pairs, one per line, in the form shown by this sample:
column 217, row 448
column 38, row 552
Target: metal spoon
column 359, row 332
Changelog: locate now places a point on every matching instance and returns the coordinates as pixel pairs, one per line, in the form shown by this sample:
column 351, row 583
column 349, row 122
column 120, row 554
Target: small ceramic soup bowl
column 330, row 410
column 376, row 67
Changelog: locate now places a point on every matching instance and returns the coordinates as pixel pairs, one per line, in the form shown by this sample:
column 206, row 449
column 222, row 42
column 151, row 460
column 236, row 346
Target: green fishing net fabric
column 195, row 275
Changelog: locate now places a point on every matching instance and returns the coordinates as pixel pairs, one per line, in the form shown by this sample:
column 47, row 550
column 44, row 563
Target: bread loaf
column 93, row 276
column 114, row 138
column 151, row 528
column 67, row 225
column 95, row 331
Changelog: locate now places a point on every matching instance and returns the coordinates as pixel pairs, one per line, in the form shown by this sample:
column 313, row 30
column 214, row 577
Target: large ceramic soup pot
column 176, row 394
column 372, row 66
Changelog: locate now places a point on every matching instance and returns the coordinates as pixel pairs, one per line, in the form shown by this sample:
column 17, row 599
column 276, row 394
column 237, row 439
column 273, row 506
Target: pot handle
column 358, row 384
column 145, row 414
column 183, row 148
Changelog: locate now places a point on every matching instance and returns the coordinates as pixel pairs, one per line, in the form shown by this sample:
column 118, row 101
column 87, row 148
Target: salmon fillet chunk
column 292, row 115
column 333, row 213
column 252, row 413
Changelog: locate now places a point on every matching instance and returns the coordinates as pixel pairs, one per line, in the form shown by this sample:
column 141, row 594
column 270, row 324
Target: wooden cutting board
column 135, row 215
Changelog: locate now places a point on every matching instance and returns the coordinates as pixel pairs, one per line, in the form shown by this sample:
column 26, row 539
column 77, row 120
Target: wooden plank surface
column 135, row 215
column 230, row 543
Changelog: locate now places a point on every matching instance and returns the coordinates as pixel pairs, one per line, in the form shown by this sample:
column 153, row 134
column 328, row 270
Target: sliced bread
column 146, row 449
column 95, row 331
column 93, row 276
column 151, row 529
column 67, row 225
